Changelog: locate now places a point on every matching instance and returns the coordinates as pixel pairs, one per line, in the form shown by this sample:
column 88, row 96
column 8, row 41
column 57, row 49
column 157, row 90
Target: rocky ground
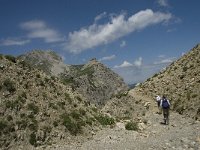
column 182, row 133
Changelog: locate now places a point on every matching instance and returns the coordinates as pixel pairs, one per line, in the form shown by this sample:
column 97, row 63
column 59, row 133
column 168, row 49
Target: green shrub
column 67, row 97
column 44, row 94
column 185, row 68
column 82, row 112
column 22, row 115
column 90, row 120
column 9, row 85
column 61, row 104
column 105, row 120
column 55, row 123
column 47, row 129
column 33, row 126
column 75, row 115
column 3, row 125
column 155, row 75
column 126, row 112
column 72, row 126
column 33, row 108
column 94, row 109
column 52, row 105
column 11, row 58
column 132, row 126
column 194, row 95
column 66, row 80
column 9, row 118
column 13, row 105
column 32, row 139
column 53, row 78
column 122, row 94
column 78, row 98
column 22, row 98
column 22, row 124
column 188, row 95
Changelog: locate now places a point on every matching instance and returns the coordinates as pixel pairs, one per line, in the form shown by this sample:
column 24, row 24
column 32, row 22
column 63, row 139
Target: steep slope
column 180, row 82
column 95, row 81
column 37, row 109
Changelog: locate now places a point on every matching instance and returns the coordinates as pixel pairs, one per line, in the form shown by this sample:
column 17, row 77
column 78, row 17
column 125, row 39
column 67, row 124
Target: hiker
column 158, row 99
column 165, row 104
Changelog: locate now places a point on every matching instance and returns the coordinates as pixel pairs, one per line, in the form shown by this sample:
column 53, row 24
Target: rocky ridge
column 180, row 82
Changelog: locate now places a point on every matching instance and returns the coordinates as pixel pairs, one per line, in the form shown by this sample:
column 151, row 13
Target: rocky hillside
column 93, row 80
column 38, row 109
column 180, row 82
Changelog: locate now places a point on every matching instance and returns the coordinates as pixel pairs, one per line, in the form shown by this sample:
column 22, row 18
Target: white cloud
column 138, row 62
column 165, row 61
column 39, row 29
column 163, row 3
column 134, row 74
column 119, row 26
column 107, row 58
column 171, row 30
column 12, row 42
column 161, row 56
column 123, row 43
column 124, row 64
column 100, row 16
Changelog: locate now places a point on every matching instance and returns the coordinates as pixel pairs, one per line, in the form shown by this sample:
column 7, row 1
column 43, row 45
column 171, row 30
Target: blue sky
column 135, row 38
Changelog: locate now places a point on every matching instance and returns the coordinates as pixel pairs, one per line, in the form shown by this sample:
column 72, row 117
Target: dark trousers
column 166, row 115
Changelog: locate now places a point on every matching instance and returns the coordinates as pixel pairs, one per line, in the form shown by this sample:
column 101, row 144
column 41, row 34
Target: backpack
column 165, row 104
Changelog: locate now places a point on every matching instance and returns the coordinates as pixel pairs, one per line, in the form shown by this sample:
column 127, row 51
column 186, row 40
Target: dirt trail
column 181, row 134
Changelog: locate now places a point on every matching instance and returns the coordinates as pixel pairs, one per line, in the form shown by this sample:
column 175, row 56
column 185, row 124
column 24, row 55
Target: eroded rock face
column 180, row 82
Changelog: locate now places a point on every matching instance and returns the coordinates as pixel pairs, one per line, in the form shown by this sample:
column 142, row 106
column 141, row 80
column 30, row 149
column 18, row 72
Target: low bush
column 33, row 108
column 61, row 104
column 90, row 120
column 32, row 139
column 105, row 120
column 3, row 125
column 9, row 85
column 73, row 126
column 132, row 126
column 68, row 98
column 11, row 58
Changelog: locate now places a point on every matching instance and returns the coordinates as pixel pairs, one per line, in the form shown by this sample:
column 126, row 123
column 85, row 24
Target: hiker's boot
column 165, row 120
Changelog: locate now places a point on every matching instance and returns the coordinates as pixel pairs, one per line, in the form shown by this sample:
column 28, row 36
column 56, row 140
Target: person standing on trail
column 165, row 104
column 158, row 99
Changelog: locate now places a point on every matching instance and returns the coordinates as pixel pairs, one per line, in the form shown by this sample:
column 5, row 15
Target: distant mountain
column 180, row 82
column 94, row 80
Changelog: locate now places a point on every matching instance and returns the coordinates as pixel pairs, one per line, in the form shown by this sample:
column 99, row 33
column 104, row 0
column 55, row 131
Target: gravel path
column 181, row 134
